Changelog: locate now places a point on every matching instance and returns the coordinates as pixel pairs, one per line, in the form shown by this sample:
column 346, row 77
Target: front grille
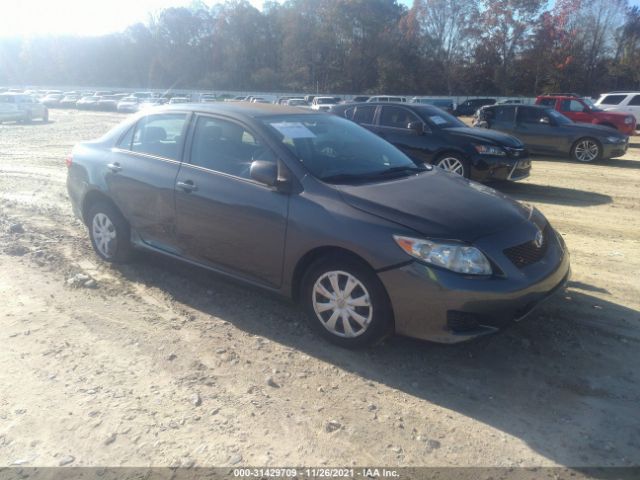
column 528, row 253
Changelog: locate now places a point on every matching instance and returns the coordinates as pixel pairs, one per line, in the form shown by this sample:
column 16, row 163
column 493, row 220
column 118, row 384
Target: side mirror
column 264, row 172
column 417, row 127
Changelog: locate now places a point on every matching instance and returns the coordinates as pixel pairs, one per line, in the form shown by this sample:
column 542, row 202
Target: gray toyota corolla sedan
column 318, row 209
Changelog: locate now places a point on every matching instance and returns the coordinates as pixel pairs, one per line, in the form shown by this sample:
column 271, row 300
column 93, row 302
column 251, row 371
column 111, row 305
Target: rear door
column 633, row 106
column 224, row 218
column 504, row 118
column 141, row 174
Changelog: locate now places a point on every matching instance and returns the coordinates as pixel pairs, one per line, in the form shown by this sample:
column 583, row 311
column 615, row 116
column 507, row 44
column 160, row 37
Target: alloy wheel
column 451, row 164
column 342, row 304
column 587, row 151
column 104, row 234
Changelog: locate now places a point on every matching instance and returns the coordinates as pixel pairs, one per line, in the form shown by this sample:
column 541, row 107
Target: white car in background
column 623, row 102
column 129, row 105
column 16, row 107
column 323, row 104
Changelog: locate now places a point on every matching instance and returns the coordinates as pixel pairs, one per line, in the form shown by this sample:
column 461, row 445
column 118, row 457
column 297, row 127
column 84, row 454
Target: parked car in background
column 52, row 100
column 17, row 107
column 88, row 103
column 175, row 100
column 357, row 99
column 387, row 98
column 297, row 102
column 109, row 103
column 143, row 95
column 471, row 106
column 621, row 102
column 210, row 98
column 128, row 105
column 546, row 131
column 509, row 101
column 69, row 101
column 323, row 104
column 428, row 134
column 446, row 104
column 583, row 110
column 315, row 208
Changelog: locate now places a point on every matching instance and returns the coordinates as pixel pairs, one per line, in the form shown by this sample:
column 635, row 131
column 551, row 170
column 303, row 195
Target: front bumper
column 612, row 150
column 430, row 303
column 486, row 168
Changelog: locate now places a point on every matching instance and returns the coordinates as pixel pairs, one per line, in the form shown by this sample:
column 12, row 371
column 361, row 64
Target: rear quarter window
column 612, row 99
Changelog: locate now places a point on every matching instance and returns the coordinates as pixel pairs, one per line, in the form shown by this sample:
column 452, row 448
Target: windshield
column 558, row 117
column 440, row 119
column 591, row 105
column 337, row 150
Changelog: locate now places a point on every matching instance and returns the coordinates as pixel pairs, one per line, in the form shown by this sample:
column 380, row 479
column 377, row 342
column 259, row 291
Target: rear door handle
column 187, row 186
column 114, row 167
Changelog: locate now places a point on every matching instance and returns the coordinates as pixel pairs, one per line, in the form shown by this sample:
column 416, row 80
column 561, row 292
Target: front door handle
column 114, row 167
column 187, row 186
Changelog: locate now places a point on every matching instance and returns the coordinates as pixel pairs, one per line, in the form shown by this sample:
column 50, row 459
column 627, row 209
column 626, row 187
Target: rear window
column 364, row 115
column 612, row 99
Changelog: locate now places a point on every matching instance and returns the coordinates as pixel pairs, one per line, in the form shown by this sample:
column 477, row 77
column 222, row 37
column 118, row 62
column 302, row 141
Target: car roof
column 240, row 109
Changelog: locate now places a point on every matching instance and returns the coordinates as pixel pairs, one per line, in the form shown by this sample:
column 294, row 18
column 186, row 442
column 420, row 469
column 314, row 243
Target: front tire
column 109, row 232
column 453, row 163
column 586, row 150
column 345, row 302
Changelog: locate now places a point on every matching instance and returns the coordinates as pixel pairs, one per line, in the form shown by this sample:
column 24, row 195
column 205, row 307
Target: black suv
column 469, row 107
column 427, row 134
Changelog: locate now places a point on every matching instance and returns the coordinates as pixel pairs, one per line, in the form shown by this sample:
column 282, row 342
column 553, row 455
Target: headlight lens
column 613, row 139
column 628, row 120
column 457, row 258
column 490, row 150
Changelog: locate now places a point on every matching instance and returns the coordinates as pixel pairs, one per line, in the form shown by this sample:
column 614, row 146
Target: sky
column 87, row 17
column 81, row 17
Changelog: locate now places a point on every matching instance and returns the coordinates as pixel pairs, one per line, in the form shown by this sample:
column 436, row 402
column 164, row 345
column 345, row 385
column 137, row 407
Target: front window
column 336, row 150
column 591, row 105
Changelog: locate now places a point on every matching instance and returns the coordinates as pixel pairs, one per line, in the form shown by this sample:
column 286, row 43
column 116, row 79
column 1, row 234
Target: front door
column 393, row 127
column 224, row 218
column 537, row 135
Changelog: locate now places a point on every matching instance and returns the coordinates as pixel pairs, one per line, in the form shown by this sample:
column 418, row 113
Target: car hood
column 438, row 204
column 591, row 129
column 485, row 136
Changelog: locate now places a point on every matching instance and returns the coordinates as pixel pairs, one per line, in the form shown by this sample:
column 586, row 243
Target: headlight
column 457, row 258
column 615, row 139
column 490, row 150
column 628, row 120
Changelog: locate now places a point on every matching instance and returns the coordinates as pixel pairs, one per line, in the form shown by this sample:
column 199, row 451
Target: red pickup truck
column 583, row 110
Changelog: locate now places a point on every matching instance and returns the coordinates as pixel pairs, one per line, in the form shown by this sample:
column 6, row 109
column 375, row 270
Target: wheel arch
column 91, row 198
column 314, row 255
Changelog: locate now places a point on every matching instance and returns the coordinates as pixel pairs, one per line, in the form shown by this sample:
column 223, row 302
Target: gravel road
column 157, row 363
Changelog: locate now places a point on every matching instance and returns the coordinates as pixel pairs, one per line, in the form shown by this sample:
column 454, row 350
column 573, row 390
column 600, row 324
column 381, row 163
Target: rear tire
column 586, row 150
column 109, row 232
column 346, row 302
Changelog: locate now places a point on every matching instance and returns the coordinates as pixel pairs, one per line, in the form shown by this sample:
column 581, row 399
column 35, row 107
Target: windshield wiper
column 363, row 177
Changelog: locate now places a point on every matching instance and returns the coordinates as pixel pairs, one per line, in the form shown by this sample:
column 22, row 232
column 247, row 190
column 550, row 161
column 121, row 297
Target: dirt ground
column 162, row 364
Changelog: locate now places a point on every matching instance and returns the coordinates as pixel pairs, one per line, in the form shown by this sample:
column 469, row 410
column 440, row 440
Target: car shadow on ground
column 531, row 192
column 566, row 380
column 611, row 162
